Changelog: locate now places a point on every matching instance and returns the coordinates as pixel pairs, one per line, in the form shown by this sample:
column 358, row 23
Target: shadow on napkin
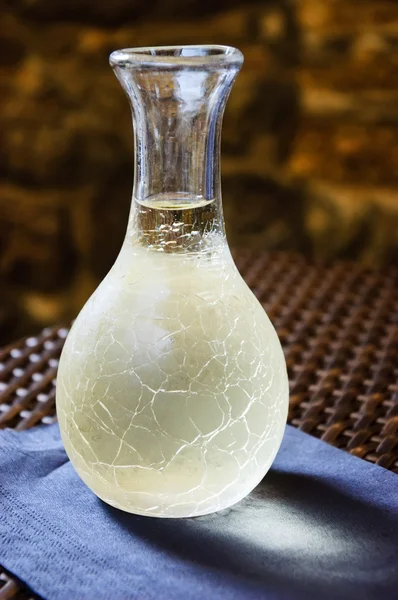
column 294, row 533
column 322, row 524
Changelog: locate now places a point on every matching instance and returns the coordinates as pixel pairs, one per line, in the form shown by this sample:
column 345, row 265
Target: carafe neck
column 177, row 96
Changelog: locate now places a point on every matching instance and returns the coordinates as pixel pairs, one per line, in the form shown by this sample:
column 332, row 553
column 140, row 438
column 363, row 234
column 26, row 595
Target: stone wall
column 310, row 151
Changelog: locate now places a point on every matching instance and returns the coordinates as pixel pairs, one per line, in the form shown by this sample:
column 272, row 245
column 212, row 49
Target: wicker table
column 338, row 328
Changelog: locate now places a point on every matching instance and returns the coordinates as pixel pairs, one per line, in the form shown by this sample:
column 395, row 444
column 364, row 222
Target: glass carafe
column 172, row 391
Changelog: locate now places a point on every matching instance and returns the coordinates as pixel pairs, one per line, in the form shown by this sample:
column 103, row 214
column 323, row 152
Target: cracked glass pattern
column 172, row 391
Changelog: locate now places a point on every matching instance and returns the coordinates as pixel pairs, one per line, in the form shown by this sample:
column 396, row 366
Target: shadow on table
column 293, row 533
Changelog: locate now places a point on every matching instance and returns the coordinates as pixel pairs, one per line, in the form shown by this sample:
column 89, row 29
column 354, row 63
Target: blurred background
column 310, row 152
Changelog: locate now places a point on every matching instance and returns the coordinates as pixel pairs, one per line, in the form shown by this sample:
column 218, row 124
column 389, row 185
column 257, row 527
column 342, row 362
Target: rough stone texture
column 309, row 148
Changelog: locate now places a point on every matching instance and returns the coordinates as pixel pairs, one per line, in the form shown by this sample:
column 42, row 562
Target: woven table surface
column 338, row 328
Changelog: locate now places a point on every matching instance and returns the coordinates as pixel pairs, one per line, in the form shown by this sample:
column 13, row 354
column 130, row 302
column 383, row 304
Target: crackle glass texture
column 172, row 391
